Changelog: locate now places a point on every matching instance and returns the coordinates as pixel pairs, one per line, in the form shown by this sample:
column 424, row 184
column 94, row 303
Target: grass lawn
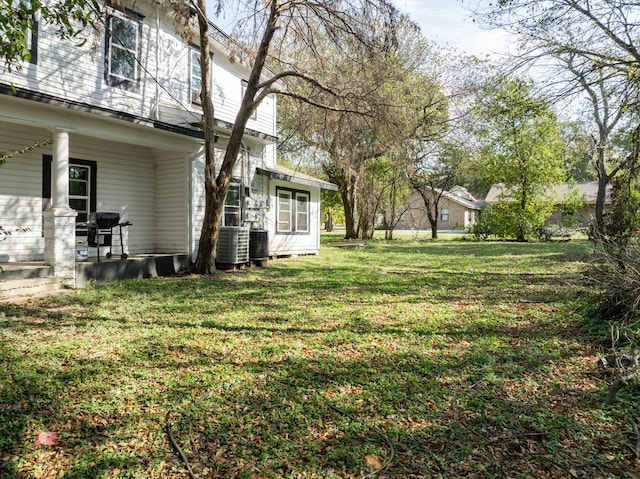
column 462, row 359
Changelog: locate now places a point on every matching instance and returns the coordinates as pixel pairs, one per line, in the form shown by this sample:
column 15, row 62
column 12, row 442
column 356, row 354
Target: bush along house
column 112, row 159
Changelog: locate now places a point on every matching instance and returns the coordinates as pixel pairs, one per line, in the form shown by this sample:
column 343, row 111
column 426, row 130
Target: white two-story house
column 110, row 122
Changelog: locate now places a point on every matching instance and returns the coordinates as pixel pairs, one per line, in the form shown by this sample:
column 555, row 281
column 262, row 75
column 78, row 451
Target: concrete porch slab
column 134, row 267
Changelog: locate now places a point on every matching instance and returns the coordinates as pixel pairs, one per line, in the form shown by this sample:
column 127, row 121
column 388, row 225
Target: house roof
column 292, row 176
column 589, row 189
column 460, row 195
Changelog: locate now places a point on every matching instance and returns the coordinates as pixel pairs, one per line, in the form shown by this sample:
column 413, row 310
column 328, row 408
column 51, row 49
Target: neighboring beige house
column 457, row 210
column 559, row 192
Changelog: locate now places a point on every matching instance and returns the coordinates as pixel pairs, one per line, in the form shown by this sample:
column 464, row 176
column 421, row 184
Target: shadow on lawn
column 448, row 410
column 455, row 399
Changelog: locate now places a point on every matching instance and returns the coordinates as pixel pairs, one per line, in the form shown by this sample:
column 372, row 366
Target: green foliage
column 513, row 221
column 6, row 155
column 332, row 211
column 522, row 151
column 433, row 343
column 17, row 22
column 573, row 202
column 485, row 226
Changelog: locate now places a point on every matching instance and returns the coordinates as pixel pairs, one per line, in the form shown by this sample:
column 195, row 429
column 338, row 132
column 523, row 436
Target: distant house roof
column 292, row 176
column 460, row 195
column 588, row 189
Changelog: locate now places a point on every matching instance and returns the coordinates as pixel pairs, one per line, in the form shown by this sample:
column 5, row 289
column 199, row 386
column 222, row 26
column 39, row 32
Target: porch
column 20, row 280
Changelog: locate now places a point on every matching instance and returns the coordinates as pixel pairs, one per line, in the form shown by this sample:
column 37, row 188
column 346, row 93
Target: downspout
column 190, row 209
column 156, row 105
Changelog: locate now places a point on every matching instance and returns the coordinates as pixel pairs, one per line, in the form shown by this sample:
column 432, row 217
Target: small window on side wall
column 285, row 211
column 444, row 214
column 293, row 211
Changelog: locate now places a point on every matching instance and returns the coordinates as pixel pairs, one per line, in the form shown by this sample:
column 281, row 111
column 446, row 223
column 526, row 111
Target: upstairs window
column 123, row 51
column 196, row 75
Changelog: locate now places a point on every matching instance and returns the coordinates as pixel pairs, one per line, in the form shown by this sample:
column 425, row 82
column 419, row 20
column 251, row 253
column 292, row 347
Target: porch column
column 60, row 219
column 60, row 170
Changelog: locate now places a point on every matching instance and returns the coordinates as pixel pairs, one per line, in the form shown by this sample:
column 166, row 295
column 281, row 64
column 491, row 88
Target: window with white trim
column 444, row 214
column 123, row 50
column 196, row 75
column 232, row 211
column 284, row 212
column 293, row 211
column 302, row 212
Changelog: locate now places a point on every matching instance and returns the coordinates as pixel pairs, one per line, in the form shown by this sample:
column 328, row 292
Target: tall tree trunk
column 603, row 181
column 206, row 259
column 349, row 204
column 216, row 187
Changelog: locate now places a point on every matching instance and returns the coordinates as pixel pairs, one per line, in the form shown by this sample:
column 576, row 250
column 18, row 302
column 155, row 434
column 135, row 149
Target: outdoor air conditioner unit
column 258, row 244
column 233, row 245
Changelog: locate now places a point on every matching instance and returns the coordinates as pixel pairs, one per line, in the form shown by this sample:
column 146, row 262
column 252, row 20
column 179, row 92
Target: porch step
column 23, row 289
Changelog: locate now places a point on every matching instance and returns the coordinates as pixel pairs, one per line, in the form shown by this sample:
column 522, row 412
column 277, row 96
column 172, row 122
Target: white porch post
column 59, row 219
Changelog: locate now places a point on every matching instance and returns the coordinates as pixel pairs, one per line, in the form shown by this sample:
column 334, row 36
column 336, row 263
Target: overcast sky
column 448, row 22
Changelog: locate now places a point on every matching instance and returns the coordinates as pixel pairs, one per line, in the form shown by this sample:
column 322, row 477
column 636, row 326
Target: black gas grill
column 100, row 231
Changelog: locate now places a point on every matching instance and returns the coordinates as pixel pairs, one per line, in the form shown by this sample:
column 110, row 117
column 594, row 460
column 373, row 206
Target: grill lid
column 104, row 220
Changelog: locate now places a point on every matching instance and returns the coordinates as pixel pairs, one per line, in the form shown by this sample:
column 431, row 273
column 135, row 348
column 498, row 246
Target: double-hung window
column 444, row 214
column 123, row 51
column 285, row 210
column 196, row 75
column 302, row 212
column 80, row 190
column 232, row 211
column 293, row 211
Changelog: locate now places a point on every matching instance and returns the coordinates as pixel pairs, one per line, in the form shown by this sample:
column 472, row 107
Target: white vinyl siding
column 170, row 80
column 172, row 203
column 21, row 195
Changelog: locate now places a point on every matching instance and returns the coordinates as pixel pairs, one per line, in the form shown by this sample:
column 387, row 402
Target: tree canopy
column 521, row 150
column 18, row 21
